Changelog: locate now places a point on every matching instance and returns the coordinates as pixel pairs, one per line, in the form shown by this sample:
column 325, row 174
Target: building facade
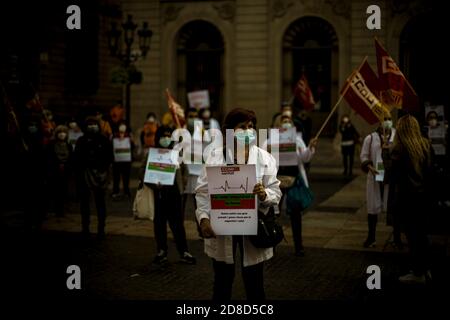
column 247, row 53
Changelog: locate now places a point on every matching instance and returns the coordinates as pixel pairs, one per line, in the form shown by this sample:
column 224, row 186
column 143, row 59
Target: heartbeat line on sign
column 226, row 186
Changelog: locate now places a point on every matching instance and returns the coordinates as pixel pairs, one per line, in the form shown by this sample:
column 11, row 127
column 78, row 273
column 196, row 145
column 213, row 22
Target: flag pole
column 172, row 108
column 341, row 96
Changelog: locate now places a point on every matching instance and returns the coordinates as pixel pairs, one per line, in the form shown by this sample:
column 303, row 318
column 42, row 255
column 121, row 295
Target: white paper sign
column 199, row 99
column 287, row 149
column 161, row 166
column 122, row 149
column 380, row 168
column 233, row 204
column 194, row 169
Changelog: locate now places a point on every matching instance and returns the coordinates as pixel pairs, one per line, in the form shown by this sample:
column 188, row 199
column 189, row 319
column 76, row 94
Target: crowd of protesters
column 85, row 150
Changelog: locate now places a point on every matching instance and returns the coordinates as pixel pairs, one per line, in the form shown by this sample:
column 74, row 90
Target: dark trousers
column 99, row 198
column 59, row 182
column 168, row 209
column 121, row 170
column 296, row 225
column 416, row 235
column 348, row 154
column 224, row 275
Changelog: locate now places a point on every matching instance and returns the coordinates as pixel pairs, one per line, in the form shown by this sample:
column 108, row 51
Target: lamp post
column 127, row 56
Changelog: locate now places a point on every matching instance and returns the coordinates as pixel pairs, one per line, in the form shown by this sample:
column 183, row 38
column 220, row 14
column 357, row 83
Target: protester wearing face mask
column 376, row 190
column 208, row 121
column 59, row 160
column 92, row 157
column 123, row 146
column 220, row 248
column 48, row 126
column 168, row 209
column 105, row 127
column 74, row 133
column 432, row 119
column 350, row 138
column 304, row 155
column 148, row 132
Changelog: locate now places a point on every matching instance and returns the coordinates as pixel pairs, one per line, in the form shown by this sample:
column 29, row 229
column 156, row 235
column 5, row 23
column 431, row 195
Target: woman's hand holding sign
column 260, row 191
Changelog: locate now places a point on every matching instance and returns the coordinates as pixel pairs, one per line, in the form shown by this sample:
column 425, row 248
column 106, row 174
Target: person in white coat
column 222, row 248
column 372, row 164
column 304, row 155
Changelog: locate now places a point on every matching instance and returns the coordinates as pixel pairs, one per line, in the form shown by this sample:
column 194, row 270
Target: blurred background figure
column 123, row 146
column 117, row 116
column 59, row 158
column 208, row 121
column 105, row 127
column 48, row 126
column 149, row 131
column 74, row 132
column 350, row 138
column 92, row 159
column 304, row 155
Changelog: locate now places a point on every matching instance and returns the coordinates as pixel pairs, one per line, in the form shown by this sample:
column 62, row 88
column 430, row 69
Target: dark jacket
column 93, row 151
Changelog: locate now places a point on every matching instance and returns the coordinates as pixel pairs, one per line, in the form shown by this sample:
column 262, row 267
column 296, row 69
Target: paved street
column 120, row 267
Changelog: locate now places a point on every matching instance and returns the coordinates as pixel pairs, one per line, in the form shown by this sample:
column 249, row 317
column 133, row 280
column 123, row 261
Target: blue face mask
column 245, row 136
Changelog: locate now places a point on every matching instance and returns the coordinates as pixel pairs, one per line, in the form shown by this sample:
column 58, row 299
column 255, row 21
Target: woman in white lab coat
column 222, row 248
column 372, row 164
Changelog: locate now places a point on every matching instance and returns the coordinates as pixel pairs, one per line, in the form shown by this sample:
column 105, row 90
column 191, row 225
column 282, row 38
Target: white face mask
column 165, row 141
column 286, row 125
column 387, row 124
column 72, row 125
column 122, row 128
column 151, row 120
column 433, row 123
column 345, row 120
column 62, row 135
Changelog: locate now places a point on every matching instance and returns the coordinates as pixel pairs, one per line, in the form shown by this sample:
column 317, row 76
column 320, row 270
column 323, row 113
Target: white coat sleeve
column 365, row 152
column 305, row 153
column 271, row 184
column 201, row 197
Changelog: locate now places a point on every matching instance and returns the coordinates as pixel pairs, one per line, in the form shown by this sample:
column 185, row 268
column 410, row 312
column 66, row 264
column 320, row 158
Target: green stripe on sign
column 168, row 168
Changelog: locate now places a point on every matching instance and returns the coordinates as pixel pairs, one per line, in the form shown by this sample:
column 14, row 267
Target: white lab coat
column 221, row 247
column 371, row 151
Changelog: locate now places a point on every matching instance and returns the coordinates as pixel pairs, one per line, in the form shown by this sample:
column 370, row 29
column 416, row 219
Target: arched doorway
column 424, row 57
column 200, row 62
column 310, row 47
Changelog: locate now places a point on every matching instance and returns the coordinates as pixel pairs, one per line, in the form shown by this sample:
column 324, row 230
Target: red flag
column 304, row 94
column 176, row 110
column 395, row 89
column 360, row 92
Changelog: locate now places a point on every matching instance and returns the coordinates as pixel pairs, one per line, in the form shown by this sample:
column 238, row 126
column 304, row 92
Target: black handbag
column 270, row 232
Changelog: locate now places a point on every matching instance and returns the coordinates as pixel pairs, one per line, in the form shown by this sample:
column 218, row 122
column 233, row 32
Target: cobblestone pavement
column 119, row 267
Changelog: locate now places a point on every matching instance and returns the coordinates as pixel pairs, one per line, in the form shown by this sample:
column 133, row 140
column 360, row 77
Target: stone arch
column 168, row 48
column 341, row 26
column 279, row 26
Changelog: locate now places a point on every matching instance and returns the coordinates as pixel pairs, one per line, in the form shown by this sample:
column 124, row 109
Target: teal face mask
column 245, row 136
column 165, row 141
column 286, row 125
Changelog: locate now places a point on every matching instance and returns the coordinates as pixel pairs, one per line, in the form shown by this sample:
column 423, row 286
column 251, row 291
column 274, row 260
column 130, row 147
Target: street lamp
column 127, row 57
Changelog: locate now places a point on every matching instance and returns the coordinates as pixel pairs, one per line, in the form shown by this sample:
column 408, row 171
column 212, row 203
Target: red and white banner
column 395, row 90
column 304, row 94
column 360, row 92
